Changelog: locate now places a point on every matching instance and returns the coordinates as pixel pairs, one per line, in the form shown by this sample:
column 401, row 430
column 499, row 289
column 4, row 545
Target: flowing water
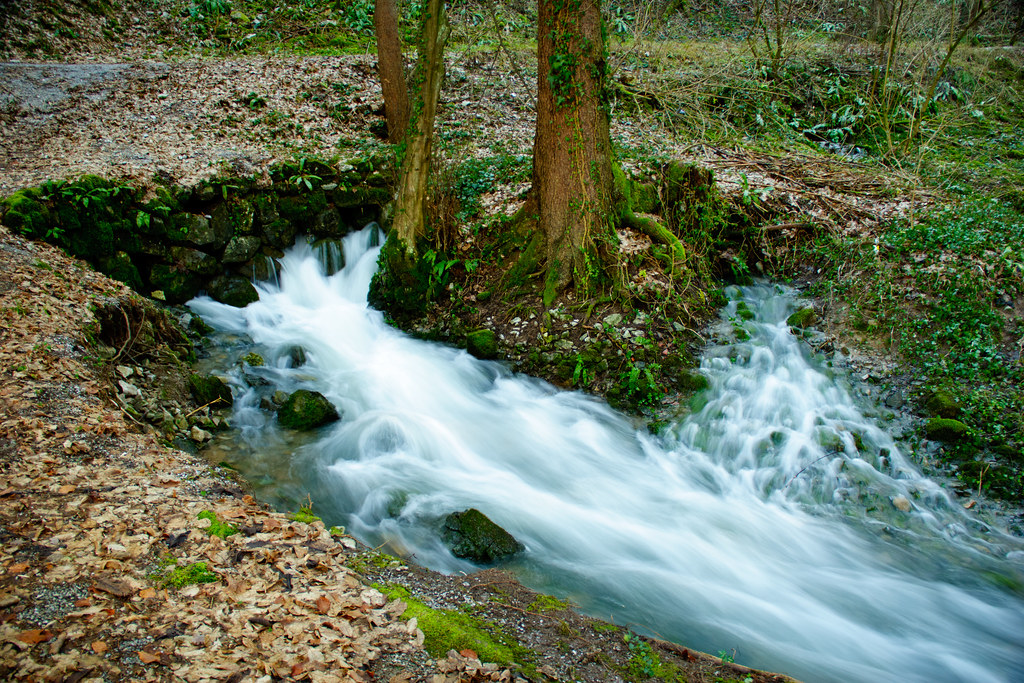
column 777, row 520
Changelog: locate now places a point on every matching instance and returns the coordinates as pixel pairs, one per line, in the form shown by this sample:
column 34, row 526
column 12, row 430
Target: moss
column 482, row 344
column 692, row 381
column 305, row 410
column 217, row 527
column 120, row 267
column 187, row 576
column 941, row 403
column 24, row 212
column 208, row 389
column 446, row 630
column 548, row 603
column 946, row 430
column 604, row 627
column 253, row 359
column 304, row 515
column 802, row 318
column 301, row 210
column 178, row 286
column 645, row 198
column 743, row 311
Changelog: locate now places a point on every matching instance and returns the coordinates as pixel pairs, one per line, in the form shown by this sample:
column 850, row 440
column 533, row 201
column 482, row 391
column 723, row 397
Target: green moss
column 946, row 430
column 743, row 311
column 445, row 630
column 24, row 212
column 208, row 389
column 305, row 515
column 217, row 527
column 805, row 317
column 253, row 359
column 548, row 603
column 941, row 403
column 482, row 344
column 187, row 576
column 604, row 627
column 306, row 409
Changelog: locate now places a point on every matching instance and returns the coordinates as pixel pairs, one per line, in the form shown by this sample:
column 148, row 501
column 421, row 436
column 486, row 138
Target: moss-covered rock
column 470, row 534
column 645, row 198
column 805, row 317
column 301, row 210
column 233, row 218
column 232, row 290
column 178, row 286
column 120, row 267
column 241, row 249
column 941, row 403
column 946, row 430
column 305, row 410
column 207, row 389
column 482, row 344
column 23, row 211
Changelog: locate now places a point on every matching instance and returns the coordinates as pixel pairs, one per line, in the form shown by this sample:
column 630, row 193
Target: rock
column 232, row 290
column 945, row 430
column 901, row 503
column 128, row 389
column 895, row 399
column 176, row 285
column 941, row 403
column 207, row 389
column 241, row 249
column 304, row 410
column 482, row 344
column 805, row 317
column 470, row 534
column 613, row 319
column 199, row 435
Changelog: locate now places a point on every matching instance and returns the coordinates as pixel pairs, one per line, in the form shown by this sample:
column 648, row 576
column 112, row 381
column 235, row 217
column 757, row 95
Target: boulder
column 470, row 534
column 482, row 344
column 232, row 290
column 941, row 403
column 208, row 388
column 805, row 317
column 304, row 410
column 241, row 249
column 945, row 430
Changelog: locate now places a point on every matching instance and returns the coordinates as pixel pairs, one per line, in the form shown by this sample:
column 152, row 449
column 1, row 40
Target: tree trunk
column 391, row 69
column 410, row 206
column 572, row 167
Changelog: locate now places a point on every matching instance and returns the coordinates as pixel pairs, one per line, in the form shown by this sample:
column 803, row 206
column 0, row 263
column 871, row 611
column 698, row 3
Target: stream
column 779, row 521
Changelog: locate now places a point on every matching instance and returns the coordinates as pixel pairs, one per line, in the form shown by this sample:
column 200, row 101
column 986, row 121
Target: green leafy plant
column 301, row 177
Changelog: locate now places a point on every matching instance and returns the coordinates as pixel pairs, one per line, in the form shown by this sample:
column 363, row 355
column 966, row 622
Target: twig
column 127, row 336
column 218, row 399
column 806, row 467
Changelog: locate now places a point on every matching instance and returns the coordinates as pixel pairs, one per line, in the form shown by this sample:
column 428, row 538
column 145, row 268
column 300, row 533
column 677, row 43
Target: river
column 778, row 522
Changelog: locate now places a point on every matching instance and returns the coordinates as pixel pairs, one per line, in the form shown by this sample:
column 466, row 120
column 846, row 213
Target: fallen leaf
column 66, row 489
column 148, row 658
column 297, row 669
column 84, row 602
column 99, row 647
column 468, row 654
column 147, row 593
column 17, row 568
column 34, row 636
column 323, row 604
column 116, row 587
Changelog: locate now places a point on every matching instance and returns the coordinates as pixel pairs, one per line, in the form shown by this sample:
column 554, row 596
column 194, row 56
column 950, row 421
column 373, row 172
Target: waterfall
column 778, row 520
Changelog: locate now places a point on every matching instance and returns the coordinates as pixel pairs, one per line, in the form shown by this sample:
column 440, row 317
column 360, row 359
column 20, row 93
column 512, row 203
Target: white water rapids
column 763, row 523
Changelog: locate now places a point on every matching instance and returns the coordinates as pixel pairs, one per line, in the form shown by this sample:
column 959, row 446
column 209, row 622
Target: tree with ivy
column 578, row 193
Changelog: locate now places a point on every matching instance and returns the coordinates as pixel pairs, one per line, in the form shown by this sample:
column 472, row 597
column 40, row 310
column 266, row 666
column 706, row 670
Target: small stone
column 482, row 344
column 901, row 503
column 125, row 371
column 613, row 319
column 129, row 389
column 199, row 435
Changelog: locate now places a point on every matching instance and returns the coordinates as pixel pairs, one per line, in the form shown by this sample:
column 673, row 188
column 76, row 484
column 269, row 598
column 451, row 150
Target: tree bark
column 572, row 168
column 391, row 69
column 410, row 206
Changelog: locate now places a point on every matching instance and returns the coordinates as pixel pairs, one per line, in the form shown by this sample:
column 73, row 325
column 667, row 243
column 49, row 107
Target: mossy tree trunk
column 572, row 164
column 391, row 69
column 410, row 205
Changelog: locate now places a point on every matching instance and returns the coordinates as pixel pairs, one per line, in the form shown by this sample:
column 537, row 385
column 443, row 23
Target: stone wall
column 172, row 242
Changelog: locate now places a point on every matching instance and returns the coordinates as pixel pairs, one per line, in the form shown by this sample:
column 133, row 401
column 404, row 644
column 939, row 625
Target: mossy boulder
column 23, row 211
column 208, row 389
column 482, row 344
column 232, row 290
column 941, row 403
column 232, row 218
column 120, row 267
column 471, row 535
column 177, row 285
column 304, row 410
column 645, row 197
column 805, row 317
column 946, row 430
column 240, row 249
column 302, row 210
